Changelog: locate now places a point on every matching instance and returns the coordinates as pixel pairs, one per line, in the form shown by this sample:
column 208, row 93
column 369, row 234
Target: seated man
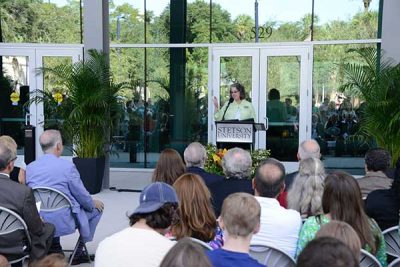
column 195, row 157
column 19, row 198
column 143, row 243
column 377, row 160
column 52, row 171
column 236, row 165
column 240, row 219
column 279, row 227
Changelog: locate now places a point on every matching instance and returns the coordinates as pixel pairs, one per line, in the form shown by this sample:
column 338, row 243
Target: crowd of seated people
column 229, row 214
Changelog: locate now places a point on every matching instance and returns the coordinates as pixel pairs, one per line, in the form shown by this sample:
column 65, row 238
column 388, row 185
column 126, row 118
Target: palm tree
column 377, row 81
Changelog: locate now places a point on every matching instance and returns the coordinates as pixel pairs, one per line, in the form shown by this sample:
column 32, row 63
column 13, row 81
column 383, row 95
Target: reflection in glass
column 283, row 90
column 53, row 109
column 336, row 116
column 14, row 93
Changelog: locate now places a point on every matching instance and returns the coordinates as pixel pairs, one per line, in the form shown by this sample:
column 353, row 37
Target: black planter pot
column 91, row 171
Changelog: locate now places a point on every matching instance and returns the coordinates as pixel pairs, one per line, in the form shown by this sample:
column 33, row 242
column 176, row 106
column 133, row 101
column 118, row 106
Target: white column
column 391, row 29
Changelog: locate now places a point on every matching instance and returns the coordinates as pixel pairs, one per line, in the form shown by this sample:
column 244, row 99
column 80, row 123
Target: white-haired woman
column 305, row 194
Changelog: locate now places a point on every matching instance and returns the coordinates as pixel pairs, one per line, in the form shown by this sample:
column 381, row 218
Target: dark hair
column 377, row 159
column 268, row 182
column 327, row 252
column 240, row 88
column 169, row 167
column 342, row 200
column 162, row 218
column 274, row 94
column 197, row 218
column 185, row 253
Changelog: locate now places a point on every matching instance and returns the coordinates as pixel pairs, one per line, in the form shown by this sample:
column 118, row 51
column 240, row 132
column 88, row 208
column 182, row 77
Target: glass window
column 53, row 21
column 346, row 19
column 336, row 115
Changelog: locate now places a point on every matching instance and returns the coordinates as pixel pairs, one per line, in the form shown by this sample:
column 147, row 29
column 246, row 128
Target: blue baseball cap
column 154, row 196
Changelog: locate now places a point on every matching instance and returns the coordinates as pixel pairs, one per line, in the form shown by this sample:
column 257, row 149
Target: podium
column 237, row 133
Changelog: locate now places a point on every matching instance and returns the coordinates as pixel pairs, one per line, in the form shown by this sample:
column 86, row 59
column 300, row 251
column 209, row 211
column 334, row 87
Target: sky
column 277, row 10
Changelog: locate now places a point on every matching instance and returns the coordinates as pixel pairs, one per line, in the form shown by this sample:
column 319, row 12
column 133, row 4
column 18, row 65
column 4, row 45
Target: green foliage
column 379, row 85
column 214, row 159
column 91, row 105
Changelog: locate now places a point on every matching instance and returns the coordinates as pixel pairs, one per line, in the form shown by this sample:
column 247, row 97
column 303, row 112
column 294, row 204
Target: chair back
column 51, row 199
column 203, row 244
column 271, row 256
column 392, row 240
column 395, row 263
column 14, row 236
column 368, row 260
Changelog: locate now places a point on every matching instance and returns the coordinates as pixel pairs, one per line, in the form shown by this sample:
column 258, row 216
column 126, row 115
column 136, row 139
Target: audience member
column 195, row 157
column 307, row 149
column 383, row 205
column 344, row 232
column 143, row 242
column 52, row 171
column 342, row 201
column 278, row 226
column 240, row 219
column 327, row 252
column 305, row 195
column 377, row 160
column 19, row 198
column 186, row 253
column 236, row 165
column 52, row 260
column 169, row 167
column 197, row 218
column 3, row 261
column 18, row 173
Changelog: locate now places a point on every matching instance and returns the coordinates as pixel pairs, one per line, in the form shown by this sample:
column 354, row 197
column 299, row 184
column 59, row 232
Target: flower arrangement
column 214, row 159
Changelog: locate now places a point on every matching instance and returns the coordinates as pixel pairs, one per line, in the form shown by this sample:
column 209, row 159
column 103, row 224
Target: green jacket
column 245, row 107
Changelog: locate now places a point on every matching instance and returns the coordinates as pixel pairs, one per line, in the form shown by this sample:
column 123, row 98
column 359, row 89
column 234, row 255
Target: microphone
column 230, row 101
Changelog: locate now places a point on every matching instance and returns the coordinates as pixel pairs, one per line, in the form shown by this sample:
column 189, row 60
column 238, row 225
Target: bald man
column 279, row 227
column 52, row 171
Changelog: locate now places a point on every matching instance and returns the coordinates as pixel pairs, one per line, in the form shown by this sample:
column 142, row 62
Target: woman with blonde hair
column 305, row 194
column 169, row 167
column 344, row 232
column 197, row 218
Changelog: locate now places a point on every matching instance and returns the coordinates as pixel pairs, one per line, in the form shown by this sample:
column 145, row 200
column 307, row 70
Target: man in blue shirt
column 240, row 219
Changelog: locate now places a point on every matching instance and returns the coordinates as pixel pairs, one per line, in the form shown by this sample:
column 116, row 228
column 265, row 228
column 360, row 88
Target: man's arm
column 79, row 191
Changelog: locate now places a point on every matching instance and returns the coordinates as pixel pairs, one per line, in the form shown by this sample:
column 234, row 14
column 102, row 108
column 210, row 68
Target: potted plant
column 90, row 111
column 376, row 81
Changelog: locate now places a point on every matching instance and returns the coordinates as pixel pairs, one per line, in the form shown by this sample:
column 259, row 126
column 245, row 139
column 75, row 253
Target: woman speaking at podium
column 237, row 108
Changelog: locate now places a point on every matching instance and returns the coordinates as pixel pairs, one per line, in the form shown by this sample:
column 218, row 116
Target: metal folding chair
column 271, row 256
column 392, row 240
column 53, row 200
column 203, row 244
column 13, row 230
column 368, row 260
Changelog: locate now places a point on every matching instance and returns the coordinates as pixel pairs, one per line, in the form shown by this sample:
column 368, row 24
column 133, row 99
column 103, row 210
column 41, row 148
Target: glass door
column 18, row 79
column 277, row 82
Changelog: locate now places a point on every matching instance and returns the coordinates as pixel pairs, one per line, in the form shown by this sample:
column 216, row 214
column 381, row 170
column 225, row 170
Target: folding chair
column 203, row 244
column 392, row 240
column 53, row 200
column 271, row 256
column 395, row 263
column 368, row 260
column 14, row 233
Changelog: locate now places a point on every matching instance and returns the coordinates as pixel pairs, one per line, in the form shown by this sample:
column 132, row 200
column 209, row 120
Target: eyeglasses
column 13, row 159
column 234, row 92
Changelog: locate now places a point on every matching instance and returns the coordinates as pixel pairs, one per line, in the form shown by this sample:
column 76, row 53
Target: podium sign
column 228, row 132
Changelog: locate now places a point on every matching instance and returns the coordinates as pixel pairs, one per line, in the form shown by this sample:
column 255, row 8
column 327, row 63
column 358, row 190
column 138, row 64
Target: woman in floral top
column 342, row 201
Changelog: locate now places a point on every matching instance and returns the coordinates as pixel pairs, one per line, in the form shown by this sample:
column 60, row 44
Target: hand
column 216, row 106
column 98, row 204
